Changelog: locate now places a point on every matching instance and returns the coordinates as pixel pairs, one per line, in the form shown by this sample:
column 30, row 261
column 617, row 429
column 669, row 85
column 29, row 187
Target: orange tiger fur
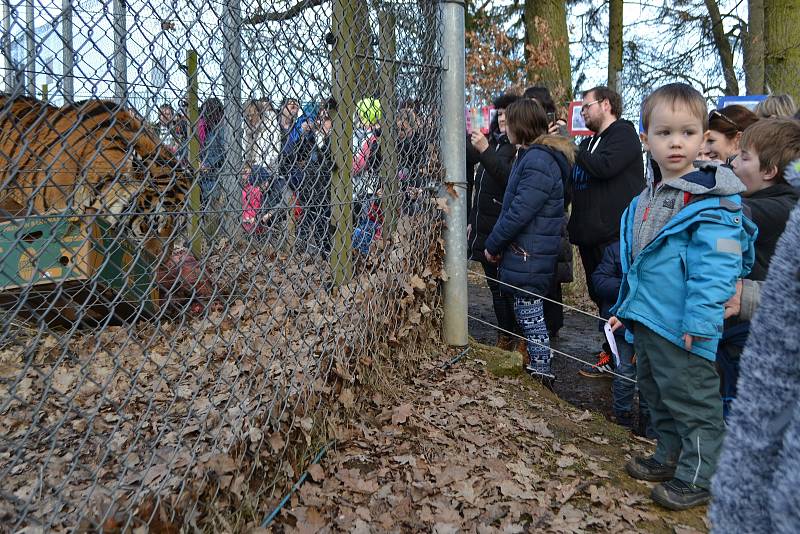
column 90, row 157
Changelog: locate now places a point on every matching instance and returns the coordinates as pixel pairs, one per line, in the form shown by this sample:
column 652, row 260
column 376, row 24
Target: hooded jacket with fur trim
column 528, row 231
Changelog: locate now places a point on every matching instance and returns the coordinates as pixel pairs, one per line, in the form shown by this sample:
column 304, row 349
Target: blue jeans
column 623, row 390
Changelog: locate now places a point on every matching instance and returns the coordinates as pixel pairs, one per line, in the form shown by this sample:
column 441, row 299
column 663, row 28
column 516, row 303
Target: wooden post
column 195, row 232
column 387, row 44
column 344, row 64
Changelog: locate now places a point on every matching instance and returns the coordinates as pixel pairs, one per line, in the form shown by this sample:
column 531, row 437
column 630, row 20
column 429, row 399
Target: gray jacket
column 755, row 487
column 658, row 203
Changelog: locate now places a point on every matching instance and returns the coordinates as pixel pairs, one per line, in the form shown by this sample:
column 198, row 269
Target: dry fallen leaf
column 316, row 472
column 401, row 414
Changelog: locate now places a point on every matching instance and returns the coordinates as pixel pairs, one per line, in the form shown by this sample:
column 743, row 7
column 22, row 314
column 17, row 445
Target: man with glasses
column 607, row 175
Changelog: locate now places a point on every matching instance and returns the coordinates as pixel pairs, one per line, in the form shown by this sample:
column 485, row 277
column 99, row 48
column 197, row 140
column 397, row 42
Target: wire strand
column 539, row 296
column 556, row 351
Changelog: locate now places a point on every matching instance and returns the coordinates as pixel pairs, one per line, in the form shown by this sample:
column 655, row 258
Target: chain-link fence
column 217, row 220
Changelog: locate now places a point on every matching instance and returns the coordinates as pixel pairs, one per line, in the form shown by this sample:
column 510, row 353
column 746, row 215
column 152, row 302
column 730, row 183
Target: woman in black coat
column 495, row 157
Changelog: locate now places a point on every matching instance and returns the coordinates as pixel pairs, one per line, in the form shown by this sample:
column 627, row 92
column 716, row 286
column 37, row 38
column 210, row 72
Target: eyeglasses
column 590, row 104
column 716, row 113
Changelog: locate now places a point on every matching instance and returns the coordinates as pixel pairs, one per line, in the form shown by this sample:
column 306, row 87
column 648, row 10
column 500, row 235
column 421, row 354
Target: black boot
column 676, row 494
column 625, row 420
column 649, row 469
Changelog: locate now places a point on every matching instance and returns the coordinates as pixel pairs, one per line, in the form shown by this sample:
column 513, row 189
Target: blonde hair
column 776, row 106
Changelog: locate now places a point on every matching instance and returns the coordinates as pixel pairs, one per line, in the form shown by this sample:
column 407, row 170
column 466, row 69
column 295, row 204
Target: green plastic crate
column 65, row 269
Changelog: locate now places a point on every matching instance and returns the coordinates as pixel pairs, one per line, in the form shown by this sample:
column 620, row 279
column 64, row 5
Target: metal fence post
column 195, row 234
column 120, row 51
column 6, row 38
column 67, row 52
column 30, row 64
column 232, row 72
column 454, row 157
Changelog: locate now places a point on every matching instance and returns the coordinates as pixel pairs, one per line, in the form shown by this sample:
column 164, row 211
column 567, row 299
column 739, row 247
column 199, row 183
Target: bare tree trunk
column 547, row 47
column 754, row 49
column 615, row 44
column 723, row 48
column 782, row 58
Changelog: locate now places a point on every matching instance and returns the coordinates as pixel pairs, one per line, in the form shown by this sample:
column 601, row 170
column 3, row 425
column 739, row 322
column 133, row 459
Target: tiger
column 91, row 157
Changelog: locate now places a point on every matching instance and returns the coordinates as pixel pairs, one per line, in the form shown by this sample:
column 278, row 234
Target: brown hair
column 601, row 92
column 527, row 120
column 775, row 141
column 731, row 120
column 672, row 94
column 776, row 106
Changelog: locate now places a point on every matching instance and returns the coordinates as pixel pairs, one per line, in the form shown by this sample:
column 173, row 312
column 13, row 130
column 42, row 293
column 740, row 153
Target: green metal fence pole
column 195, row 232
column 44, row 92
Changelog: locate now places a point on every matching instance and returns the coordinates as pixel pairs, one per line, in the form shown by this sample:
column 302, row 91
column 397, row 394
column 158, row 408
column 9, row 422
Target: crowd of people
column 288, row 161
column 678, row 228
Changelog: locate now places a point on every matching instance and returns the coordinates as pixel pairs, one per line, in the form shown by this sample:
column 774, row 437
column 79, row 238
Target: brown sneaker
column 522, row 348
column 504, row 342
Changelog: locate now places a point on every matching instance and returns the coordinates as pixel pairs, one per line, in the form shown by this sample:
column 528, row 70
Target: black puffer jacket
column 491, row 179
column 608, row 174
column 769, row 209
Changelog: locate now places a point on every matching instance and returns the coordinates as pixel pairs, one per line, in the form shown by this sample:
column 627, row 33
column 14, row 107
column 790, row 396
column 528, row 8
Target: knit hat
column 369, row 111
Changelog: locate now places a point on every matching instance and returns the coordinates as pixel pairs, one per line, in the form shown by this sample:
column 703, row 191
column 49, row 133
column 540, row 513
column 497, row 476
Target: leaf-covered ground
column 466, row 450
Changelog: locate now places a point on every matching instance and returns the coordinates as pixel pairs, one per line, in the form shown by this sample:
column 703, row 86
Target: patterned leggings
column 530, row 316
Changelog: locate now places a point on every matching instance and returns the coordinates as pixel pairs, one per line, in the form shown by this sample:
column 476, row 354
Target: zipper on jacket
column 644, row 218
column 497, row 202
column 518, row 250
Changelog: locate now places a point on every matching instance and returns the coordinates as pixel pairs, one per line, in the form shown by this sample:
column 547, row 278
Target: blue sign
column 749, row 101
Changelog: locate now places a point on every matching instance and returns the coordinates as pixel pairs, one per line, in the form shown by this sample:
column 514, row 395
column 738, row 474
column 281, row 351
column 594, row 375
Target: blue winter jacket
column 680, row 281
column 528, row 231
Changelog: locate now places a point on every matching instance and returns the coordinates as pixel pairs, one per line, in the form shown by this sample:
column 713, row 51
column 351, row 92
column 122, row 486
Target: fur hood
column 560, row 143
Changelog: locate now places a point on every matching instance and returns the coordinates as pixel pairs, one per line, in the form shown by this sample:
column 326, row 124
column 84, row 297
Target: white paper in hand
column 612, row 343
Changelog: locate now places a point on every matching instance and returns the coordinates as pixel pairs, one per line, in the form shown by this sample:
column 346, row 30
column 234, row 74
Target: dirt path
column 466, row 450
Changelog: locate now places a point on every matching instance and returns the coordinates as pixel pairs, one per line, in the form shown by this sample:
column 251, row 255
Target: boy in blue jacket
column 684, row 242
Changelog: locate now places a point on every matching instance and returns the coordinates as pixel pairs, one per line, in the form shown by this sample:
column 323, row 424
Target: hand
column 688, row 339
column 490, row 258
column 469, row 230
column 479, row 141
column 554, row 128
column 734, row 304
column 615, row 323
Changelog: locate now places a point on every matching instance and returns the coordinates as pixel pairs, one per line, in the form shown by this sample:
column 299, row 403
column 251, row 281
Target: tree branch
column 295, row 10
